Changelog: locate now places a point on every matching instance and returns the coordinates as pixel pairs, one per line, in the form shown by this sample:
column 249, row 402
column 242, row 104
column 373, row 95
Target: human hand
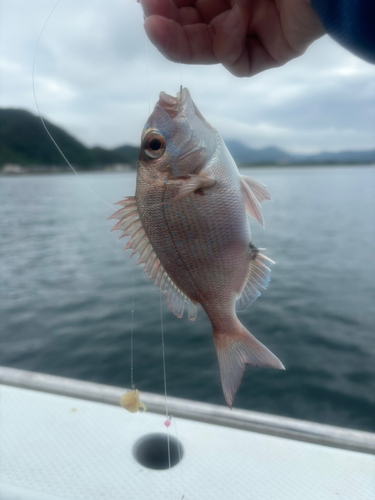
column 245, row 36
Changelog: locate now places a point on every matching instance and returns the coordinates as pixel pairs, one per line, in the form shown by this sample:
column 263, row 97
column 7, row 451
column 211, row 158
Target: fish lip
column 174, row 106
column 178, row 106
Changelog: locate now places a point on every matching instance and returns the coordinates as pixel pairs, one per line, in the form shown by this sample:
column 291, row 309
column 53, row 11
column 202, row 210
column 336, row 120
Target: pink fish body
column 188, row 220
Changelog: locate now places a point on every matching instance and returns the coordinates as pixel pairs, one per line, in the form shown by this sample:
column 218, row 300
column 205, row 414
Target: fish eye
column 154, row 144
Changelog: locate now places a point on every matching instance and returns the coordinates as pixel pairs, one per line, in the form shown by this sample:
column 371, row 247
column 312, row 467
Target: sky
column 98, row 77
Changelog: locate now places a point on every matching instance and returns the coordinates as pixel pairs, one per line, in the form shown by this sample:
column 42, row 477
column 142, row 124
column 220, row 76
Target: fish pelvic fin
column 235, row 349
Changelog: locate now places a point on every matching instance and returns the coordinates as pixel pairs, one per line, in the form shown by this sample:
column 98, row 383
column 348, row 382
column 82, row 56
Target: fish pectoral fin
column 236, row 348
column 190, row 185
column 258, row 276
column 254, row 194
column 259, row 190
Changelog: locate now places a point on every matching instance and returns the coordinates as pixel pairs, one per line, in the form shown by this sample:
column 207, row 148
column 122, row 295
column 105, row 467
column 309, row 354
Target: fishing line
column 42, row 120
column 147, row 61
column 131, row 346
column 165, row 391
column 161, row 312
column 178, row 52
column 147, row 75
column 179, row 458
column 169, row 417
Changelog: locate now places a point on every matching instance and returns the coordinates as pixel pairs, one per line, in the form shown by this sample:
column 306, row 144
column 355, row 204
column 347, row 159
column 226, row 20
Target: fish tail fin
column 235, row 349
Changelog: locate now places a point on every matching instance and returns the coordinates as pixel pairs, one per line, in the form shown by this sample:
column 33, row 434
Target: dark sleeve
column 351, row 23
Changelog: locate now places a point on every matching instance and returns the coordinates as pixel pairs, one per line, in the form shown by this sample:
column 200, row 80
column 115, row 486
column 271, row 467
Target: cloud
column 94, row 77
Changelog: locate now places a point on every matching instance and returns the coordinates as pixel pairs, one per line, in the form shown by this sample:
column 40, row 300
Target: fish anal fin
column 254, row 194
column 141, row 245
column 235, row 349
column 131, row 225
column 154, row 269
column 150, row 262
column 191, row 184
column 145, row 254
column 258, row 277
column 192, row 310
column 158, row 275
column 176, row 299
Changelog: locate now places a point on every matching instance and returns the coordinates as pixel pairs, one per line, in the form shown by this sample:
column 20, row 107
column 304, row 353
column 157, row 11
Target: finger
column 181, row 12
column 245, row 54
column 165, row 8
column 258, row 58
column 184, row 3
column 266, row 25
column 189, row 15
column 185, row 11
column 209, row 9
column 229, row 42
column 254, row 59
column 190, row 44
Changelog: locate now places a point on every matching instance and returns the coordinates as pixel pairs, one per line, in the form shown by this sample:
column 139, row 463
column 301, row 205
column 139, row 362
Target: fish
column 189, row 223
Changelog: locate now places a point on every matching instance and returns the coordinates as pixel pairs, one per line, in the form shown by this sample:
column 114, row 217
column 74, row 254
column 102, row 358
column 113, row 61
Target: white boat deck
column 56, row 446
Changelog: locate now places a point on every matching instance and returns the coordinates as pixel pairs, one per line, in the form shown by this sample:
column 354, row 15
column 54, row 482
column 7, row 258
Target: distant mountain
column 244, row 154
column 341, row 157
column 24, row 141
column 128, row 151
column 271, row 155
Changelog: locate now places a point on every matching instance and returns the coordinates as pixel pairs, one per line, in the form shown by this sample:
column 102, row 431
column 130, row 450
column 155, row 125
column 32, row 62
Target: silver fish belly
column 188, row 220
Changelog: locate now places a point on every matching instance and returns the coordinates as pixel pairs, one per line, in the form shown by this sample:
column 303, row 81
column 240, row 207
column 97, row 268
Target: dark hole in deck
column 151, row 451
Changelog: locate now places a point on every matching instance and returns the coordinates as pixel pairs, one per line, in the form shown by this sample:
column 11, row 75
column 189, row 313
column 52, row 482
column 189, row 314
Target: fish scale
column 189, row 223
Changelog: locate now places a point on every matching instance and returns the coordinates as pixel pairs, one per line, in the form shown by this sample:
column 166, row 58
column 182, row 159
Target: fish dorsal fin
column 254, row 194
column 257, row 277
column 131, row 225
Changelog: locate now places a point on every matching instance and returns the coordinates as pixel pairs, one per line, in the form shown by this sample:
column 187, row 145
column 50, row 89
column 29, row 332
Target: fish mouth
column 181, row 105
column 175, row 106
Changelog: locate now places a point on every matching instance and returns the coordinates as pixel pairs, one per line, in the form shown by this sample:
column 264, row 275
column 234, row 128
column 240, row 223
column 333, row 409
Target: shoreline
column 24, row 171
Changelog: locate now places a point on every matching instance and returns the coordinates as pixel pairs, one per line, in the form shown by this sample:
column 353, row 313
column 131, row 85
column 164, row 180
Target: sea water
column 67, row 289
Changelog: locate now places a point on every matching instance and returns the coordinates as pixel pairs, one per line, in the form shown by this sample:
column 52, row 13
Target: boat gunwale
column 246, row 420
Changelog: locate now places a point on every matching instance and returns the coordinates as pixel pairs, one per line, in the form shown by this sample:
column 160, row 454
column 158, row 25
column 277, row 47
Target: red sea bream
column 188, row 220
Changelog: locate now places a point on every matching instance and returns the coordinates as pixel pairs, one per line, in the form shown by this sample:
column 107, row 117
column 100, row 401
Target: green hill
column 24, row 141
